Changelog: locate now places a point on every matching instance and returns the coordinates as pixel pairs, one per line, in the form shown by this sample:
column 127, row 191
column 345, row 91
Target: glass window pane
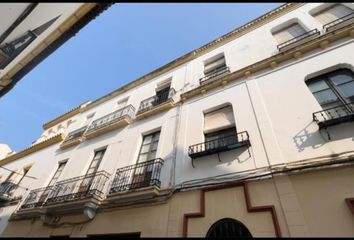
column 147, row 139
column 347, row 89
column 142, row 157
column 341, row 77
column 145, row 148
column 317, row 86
column 154, row 146
column 152, row 155
column 325, row 97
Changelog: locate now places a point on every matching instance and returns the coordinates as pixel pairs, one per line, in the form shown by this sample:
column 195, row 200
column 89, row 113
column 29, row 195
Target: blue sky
column 124, row 43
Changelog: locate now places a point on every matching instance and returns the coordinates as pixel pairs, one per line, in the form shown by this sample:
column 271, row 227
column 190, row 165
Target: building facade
column 249, row 135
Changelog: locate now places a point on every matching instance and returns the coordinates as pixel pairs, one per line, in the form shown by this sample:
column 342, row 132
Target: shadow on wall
column 312, row 136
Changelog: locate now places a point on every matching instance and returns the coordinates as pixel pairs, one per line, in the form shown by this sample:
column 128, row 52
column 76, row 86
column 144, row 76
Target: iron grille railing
column 219, row 145
column 90, row 185
column 36, row 198
column 7, row 187
column 335, row 115
column 75, row 134
column 298, row 38
column 213, row 74
column 346, row 20
column 137, row 176
column 128, row 111
column 156, row 100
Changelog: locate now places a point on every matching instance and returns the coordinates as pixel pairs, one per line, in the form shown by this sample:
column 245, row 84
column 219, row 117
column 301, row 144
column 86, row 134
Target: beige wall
column 307, row 204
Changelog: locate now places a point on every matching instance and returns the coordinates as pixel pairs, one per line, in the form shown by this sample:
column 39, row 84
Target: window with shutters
column 334, row 16
column 122, row 103
column 293, row 35
column 334, row 91
column 96, row 161
column 219, row 134
column 214, row 67
column 332, row 13
column 149, row 147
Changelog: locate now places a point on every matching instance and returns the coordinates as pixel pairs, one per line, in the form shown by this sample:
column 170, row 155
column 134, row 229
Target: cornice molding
column 32, row 149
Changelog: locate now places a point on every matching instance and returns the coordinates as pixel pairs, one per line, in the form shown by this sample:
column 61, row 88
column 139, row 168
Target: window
column 88, row 119
column 9, row 184
column 96, row 161
column 292, row 31
column 149, row 147
column 122, row 103
column 332, row 13
column 221, row 118
column 214, row 64
column 52, row 181
column 333, row 89
column 162, row 92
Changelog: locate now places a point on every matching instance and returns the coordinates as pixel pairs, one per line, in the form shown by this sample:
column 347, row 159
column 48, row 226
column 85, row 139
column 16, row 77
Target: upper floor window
column 214, row 67
column 96, row 161
column 292, row 31
column 332, row 13
column 149, row 147
column 333, row 89
column 88, row 119
column 122, row 103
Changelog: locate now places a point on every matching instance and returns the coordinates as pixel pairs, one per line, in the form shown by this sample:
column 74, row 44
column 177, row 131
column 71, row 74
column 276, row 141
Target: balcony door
column 52, row 182
column 143, row 173
column 162, row 95
column 88, row 180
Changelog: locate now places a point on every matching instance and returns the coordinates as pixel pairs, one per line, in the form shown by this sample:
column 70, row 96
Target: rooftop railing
column 298, row 40
column 128, row 111
column 90, row 185
column 214, row 74
column 156, row 100
column 335, row 115
column 339, row 23
column 136, row 176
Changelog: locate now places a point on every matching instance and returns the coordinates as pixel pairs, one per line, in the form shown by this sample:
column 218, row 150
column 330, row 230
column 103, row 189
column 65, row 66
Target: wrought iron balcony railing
column 219, row 145
column 335, row 115
column 90, row 185
column 75, row 134
column 339, row 23
column 298, row 40
column 128, row 111
column 136, row 176
column 218, row 72
column 156, row 100
column 36, row 198
column 6, row 188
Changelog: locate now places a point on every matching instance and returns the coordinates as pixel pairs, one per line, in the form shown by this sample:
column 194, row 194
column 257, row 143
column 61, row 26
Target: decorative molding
column 65, row 116
column 32, row 149
column 250, row 208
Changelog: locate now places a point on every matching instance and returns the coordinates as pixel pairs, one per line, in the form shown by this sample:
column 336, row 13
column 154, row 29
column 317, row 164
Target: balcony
column 66, row 196
column 155, row 104
column 226, row 143
column 334, row 116
column 6, row 189
column 73, row 138
column 215, row 74
column 136, row 182
column 297, row 41
column 109, row 122
column 339, row 23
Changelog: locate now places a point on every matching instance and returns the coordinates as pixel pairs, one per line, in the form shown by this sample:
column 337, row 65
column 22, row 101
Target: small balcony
column 109, row 122
column 215, row 74
column 138, row 181
column 67, row 196
column 73, row 138
column 36, row 198
column 297, row 41
column 226, row 143
column 6, row 190
column 339, row 23
column 156, row 104
column 334, row 116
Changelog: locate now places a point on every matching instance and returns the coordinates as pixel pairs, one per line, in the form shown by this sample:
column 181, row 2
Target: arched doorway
column 228, row 227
